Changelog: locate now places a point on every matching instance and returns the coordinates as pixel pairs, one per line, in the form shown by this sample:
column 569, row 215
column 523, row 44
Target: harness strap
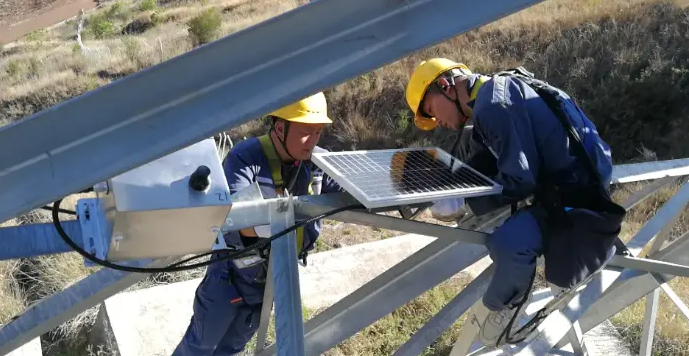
column 274, row 162
column 275, row 165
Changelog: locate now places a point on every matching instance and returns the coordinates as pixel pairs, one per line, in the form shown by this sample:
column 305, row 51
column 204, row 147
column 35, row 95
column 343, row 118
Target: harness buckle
column 248, row 261
column 302, row 259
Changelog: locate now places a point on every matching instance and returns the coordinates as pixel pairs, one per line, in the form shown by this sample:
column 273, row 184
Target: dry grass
column 386, row 335
column 389, row 333
column 626, row 62
column 672, row 329
column 12, row 300
column 671, row 334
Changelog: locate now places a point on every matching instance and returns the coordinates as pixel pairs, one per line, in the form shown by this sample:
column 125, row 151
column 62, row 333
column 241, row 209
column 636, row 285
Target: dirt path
column 19, row 17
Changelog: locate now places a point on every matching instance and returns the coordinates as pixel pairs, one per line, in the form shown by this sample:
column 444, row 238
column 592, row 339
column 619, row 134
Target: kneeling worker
column 522, row 143
column 228, row 301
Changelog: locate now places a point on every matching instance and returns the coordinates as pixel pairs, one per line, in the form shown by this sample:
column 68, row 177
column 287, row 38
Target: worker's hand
column 449, row 209
column 263, row 231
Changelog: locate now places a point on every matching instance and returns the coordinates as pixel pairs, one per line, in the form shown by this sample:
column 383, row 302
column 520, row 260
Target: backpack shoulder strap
column 273, row 161
column 549, row 95
column 519, row 72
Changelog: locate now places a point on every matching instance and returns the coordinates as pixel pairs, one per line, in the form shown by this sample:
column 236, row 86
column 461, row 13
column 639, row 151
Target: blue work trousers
column 514, row 248
column 221, row 325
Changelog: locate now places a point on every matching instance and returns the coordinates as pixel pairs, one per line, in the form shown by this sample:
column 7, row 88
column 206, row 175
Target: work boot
column 497, row 321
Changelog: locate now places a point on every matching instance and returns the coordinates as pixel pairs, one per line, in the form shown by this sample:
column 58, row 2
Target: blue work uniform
column 516, row 139
column 228, row 301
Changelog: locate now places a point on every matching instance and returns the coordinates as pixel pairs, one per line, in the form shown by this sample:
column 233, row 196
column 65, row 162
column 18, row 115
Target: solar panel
column 382, row 178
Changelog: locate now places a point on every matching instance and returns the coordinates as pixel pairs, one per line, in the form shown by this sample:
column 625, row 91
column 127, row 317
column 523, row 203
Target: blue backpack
column 583, row 223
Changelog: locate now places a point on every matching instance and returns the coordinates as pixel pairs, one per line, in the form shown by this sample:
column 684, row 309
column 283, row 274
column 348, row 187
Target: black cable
column 266, row 242
column 64, row 211
column 175, row 266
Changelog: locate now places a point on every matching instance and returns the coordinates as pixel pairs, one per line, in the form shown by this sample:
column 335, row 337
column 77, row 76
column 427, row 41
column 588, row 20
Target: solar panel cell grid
column 384, row 177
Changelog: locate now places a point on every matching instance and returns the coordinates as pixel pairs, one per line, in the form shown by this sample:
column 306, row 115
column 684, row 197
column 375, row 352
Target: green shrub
column 132, row 50
column 118, row 11
column 205, row 27
column 100, row 26
column 148, row 5
column 36, row 36
column 14, row 67
column 156, row 19
column 34, row 67
column 76, row 49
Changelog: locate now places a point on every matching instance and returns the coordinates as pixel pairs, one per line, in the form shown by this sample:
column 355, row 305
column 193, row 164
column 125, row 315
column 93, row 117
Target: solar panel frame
column 323, row 161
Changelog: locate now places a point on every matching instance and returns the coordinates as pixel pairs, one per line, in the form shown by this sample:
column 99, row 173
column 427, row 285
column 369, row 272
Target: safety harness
column 275, row 165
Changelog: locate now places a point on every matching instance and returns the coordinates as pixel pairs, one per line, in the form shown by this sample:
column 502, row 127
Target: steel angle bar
column 266, row 309
column 219, row 86
column 625, row 173
column 289, row 325
column 558, row 324
column 650, row 265
column 447, row 316
column 574, row 335
column 656, row 226
column 645, row 192
column 631, row 286
column 438, row 261
column 52, row 311
column 310, row 206
column 673, row 297
column 414, row 227
column 648, row 329
column 36, row 240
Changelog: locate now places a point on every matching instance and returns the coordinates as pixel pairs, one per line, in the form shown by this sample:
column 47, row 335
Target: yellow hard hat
column 422, row 77
column 310, row 110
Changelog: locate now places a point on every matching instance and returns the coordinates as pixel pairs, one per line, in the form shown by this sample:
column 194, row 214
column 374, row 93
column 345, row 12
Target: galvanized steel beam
column 556, row 326
column 631, row 286
column 219, row 86
column 38, row 239
column 289, row 325
column 425, row 336
column 418, row 273
column 52, row 311
column 633, row 172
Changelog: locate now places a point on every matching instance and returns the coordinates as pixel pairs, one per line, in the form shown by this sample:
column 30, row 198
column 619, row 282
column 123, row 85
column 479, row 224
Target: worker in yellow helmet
column 532, row 139
column 228, row 301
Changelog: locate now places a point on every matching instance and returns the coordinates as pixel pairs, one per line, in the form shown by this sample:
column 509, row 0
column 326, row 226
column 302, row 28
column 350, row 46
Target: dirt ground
column 19, row 17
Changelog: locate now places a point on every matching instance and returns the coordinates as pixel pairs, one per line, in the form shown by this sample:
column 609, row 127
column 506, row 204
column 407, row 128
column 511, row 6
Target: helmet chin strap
column 452, row 83
column 282, row 142
column 451, row 79
column 297, row 163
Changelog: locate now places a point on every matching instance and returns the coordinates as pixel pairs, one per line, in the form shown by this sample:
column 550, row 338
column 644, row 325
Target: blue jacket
column 246, row 163
column 527, row 139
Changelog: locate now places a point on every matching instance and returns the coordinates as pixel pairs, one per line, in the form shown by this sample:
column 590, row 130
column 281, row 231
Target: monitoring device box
column 172, row 206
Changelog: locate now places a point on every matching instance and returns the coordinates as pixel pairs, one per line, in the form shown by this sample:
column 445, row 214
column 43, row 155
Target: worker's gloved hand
column 449, row 209
column 263, row 231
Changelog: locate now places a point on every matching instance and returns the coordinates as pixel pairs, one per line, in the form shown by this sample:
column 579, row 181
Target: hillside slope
column 625, row 61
